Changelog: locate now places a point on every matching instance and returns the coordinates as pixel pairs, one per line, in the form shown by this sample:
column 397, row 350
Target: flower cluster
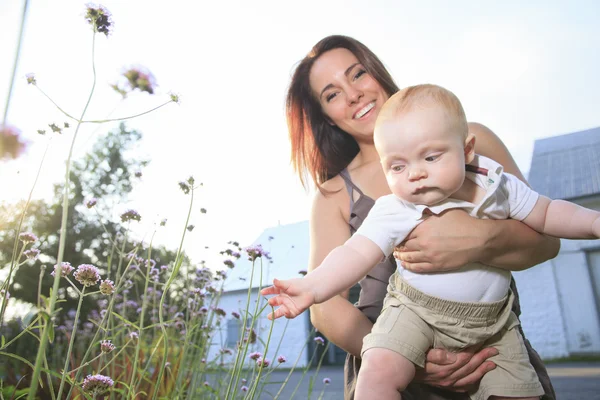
column 65, row 269
column 262, row 362
column 107, row 287
column 255, row 356
column 106, row 346
column 257, row 251
column 12, row 145
column 319, row 340
column 91, row 203
column 130, row 215
column 100, row 18
column 97, row 384
column 185, row 188
column 27, row 237
column 87, row 275
column 31, row 254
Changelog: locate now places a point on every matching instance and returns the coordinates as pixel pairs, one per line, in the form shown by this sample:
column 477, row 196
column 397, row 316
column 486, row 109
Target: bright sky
column 525, row 70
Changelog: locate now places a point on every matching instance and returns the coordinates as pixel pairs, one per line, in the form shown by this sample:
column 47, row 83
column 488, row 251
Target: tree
column 106, row 173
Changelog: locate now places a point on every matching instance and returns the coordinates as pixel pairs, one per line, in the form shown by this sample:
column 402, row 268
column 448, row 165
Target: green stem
column 176, row 267
column 71, row 341
column 41, row 354
column 253, row 391
column 133, row 387
column 241, row 354
column 101, row 121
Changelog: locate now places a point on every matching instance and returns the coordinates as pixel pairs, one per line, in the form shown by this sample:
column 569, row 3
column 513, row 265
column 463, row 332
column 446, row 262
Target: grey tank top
column 373, row 287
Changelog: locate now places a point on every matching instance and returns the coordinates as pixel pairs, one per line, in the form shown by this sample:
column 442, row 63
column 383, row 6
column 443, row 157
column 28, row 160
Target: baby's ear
column 469, row 148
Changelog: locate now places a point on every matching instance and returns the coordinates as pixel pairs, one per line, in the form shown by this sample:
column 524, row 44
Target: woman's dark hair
column 319, row 148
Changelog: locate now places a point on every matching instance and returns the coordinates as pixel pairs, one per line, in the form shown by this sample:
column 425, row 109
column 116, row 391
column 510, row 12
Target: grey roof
column 567, row 166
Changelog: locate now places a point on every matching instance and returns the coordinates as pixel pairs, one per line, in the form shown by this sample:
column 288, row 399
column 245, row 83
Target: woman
column 333, row 100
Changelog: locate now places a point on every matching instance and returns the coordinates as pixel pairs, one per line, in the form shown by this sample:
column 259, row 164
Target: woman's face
column 348, row 95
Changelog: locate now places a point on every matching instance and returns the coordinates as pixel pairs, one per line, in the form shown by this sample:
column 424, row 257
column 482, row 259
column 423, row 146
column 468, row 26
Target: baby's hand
column 293, row 297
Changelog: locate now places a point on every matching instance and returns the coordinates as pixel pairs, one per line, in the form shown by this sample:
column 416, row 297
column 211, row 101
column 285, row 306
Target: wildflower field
column 90, row 311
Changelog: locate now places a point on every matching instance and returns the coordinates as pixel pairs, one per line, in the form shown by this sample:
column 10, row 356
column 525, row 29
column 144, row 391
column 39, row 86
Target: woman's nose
column 354, row 95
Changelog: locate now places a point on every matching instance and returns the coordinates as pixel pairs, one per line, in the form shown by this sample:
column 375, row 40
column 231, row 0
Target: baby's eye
column 397, row 168
column 432, row 158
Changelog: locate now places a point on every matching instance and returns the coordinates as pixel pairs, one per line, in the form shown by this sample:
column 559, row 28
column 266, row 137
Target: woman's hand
column 443, row 242
column 455, row 371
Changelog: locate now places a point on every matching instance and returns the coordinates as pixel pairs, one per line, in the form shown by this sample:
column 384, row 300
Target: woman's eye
column 431, row 158
column 330, row 97
column 359, row 73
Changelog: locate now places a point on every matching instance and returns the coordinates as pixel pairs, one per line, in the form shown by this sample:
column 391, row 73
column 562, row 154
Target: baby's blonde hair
column 422, row 95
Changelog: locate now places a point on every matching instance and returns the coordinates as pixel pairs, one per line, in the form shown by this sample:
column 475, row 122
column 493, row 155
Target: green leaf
column 125, row 320
column 50, row 331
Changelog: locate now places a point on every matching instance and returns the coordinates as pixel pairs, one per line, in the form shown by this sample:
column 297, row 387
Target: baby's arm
column 564, row 219
column 340, row 270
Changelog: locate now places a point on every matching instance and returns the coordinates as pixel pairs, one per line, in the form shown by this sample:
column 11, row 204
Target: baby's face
column 422, row 154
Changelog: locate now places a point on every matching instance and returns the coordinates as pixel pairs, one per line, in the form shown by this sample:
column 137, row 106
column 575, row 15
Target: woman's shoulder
column 332, row 197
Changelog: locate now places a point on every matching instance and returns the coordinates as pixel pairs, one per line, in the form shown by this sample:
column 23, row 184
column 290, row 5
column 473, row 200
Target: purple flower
column 31, row 254
column 30, row 78
column 130, row 215
column 262, row 362
column 97, row 384
column 244, row 388
column 319, row 340
column 326, row 381
column 257, row 251
column 140, row 78
column 107, row 287
column 87, row 275
column 235, row 315
column 244, row 381
column 65, row 269
column 206, row 384
column 106, row 346
column 12, row 145
column 185, row 188
column 27, row 237
column 133, row 335
column 99, row 17
column 229, row 263
column 91, row 202
column 281, row 359
column 255, row 356
column 219, row 311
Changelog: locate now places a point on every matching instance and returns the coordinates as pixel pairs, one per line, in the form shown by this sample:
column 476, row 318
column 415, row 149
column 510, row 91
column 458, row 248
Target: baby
column 429, row 160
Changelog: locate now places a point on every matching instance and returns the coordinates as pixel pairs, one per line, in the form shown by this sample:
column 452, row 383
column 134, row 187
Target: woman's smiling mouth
column 360, row 113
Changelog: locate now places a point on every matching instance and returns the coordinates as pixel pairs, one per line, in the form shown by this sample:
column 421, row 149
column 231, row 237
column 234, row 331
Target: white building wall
column 288, row 337
column 541, row 313
column 577, row 298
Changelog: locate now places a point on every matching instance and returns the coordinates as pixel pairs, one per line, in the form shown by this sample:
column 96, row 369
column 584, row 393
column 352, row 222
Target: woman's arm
column 453, row 239
column 337, row 318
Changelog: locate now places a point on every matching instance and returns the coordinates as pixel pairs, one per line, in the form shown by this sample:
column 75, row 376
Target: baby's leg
column 383, row 375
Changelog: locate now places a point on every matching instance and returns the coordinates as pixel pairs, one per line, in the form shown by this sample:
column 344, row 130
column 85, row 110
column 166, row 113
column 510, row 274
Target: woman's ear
column 469, row 148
